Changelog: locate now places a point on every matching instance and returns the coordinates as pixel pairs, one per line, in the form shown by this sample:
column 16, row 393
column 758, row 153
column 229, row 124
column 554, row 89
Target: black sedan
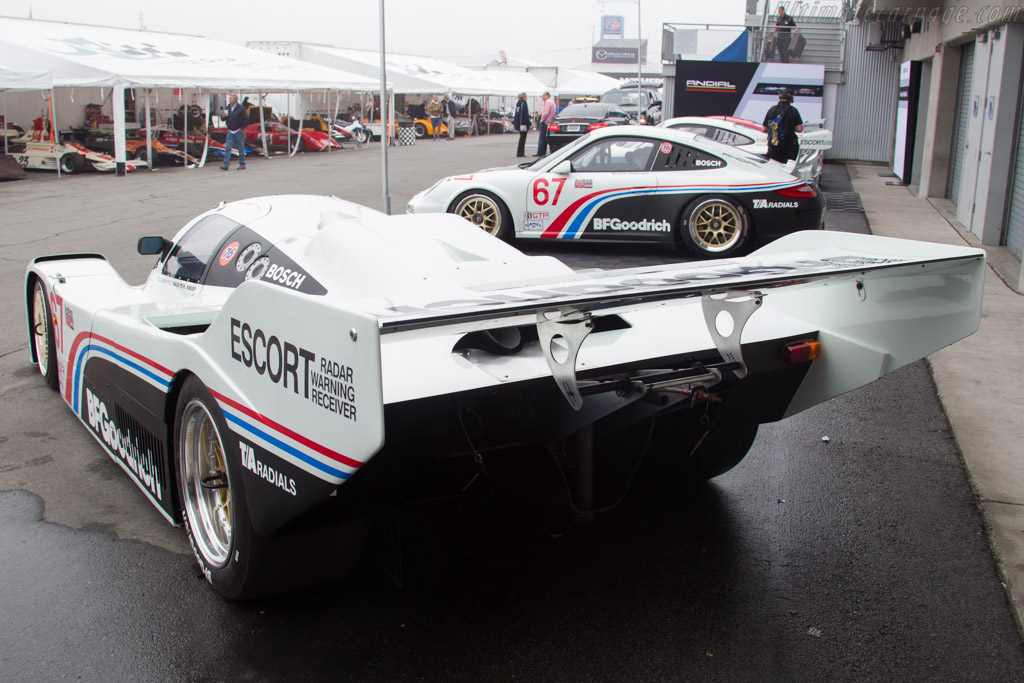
column 578, row 119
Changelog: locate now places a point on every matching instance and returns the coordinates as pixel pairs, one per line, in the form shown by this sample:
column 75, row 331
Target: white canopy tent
column 80, row 55
column 16, row 79
column 417, row 74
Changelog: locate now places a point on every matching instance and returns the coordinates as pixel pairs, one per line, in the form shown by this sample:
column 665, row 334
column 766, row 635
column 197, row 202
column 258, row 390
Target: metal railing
column 822, row 43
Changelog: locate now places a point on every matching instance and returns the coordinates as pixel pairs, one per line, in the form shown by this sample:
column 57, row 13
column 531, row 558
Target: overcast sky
column 552, row 32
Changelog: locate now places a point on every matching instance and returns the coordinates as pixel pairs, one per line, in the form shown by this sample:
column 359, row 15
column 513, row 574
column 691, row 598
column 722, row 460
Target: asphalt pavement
column 867, row 556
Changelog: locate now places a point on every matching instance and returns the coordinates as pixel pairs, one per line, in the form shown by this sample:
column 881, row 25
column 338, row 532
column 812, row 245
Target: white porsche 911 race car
column 295, row 364
column 752, row 137
column 635, row 183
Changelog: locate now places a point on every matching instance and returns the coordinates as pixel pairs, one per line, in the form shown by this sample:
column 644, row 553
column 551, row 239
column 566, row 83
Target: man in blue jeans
column 547, row 115
column 236, row 119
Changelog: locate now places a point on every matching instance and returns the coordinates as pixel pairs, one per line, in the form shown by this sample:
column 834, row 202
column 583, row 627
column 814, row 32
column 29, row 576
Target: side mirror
column 656, row 103
column 153, row 244
column 562, row 168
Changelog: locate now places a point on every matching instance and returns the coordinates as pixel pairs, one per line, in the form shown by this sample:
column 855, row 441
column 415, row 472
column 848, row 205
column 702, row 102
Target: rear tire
column 421, row 130
column 714, row 226
column 485, row 211
column 684, row 455
column 213, row 502
column 42, row 335
column 141, row 154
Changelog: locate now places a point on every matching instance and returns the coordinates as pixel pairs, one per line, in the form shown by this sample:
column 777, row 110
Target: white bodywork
column 550, row 199
column 751, row 137
column 401, row 291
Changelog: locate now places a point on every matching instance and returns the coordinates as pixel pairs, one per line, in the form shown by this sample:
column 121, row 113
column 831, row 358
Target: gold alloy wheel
column 481, row 211
column 715, row 226
column 206, row 486
column 41, row 329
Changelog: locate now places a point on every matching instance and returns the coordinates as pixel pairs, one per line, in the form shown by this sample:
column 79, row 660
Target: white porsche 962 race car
column 635, row 183
column 294, row 364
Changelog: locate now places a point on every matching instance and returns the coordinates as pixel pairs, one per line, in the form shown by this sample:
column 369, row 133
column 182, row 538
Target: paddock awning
column 79, row 55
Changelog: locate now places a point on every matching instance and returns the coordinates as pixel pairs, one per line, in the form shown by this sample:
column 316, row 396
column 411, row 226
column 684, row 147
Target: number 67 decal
column 540, row 190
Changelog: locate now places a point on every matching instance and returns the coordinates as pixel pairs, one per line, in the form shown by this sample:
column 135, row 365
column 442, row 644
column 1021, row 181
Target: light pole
column 385, row 129
column 639, row 76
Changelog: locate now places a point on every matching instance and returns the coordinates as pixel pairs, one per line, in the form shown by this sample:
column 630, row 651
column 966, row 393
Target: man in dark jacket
column 522, row 123
column 783, row 26
column 783, row 123
column 236, row 118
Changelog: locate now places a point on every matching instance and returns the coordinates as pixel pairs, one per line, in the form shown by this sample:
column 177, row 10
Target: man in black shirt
column 783, row 123
column 783, row 25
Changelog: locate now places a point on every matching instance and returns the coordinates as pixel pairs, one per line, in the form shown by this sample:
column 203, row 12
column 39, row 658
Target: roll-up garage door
column 1014, row 238
column 963, row 117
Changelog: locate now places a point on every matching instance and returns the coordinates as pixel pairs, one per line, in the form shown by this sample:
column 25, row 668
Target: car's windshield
column 193, row 252
column 620, row 97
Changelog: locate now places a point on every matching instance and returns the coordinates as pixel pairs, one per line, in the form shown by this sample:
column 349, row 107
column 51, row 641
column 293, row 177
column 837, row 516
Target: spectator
column 783, row 25
column 547, row 115
column 522, row 123
column 450, row 109
column 783, row 123
column 236, row 118
column 434, row 111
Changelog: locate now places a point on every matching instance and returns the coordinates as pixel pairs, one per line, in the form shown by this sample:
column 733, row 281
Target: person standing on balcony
column 783, row 26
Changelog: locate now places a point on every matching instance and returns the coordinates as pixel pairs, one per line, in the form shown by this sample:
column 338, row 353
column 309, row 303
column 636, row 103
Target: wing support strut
column 561, row 333
column 726, row 314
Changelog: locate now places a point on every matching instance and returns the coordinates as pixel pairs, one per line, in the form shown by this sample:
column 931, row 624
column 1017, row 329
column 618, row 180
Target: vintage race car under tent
column 16, row 79
column 81, row 56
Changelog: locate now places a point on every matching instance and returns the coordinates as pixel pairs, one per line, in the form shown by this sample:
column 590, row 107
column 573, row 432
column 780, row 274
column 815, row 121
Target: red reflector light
column 802, row 191
column 553, row 127
column 801, row 352
column 595, row 126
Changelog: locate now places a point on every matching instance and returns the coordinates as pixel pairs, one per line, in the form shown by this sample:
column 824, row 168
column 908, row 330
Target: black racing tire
column 682, row 455
column 43, row 341
column 70, row 163
column 421, row 130
column 141, row 154
column 484, row 210
column 300, row 146
column 213, row 502
column 714, row 226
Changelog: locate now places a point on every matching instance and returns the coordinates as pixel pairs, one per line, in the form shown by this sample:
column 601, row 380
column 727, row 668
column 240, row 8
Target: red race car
column 278, row 137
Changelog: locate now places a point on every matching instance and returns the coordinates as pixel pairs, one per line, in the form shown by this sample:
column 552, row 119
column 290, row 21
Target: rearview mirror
column 153, row 244
column 563, row 168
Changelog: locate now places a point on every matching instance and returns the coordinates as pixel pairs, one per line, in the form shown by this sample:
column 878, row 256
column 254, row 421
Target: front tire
column 714, row 227
column 69, row 163
column 421, row 130
column 142, row 154
column 485, row 211
column 213, row 502
column 42, row 335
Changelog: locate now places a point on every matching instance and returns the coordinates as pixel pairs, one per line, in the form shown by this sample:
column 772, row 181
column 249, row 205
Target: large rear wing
column 880, row 302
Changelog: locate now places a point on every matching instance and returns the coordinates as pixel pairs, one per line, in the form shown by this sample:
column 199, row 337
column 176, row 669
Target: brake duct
column 562, row 331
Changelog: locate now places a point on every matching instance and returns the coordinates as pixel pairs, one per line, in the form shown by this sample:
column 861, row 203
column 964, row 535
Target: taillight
column 552, row 127
column 801, row 352
column 595, row 126
column 801, row 191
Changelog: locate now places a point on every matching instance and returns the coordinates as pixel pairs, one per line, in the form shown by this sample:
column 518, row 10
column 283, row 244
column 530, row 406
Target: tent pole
column 206, row 127
column 5, row 122
column 385, row 110
column 52, row 111
column 263, row 131
column 149, row 133
column 117, row 97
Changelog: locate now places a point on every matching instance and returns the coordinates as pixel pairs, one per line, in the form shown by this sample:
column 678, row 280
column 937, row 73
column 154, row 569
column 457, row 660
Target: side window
column 682, row 158
column 729, row 137
column 614, row 154
column 189, row 258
